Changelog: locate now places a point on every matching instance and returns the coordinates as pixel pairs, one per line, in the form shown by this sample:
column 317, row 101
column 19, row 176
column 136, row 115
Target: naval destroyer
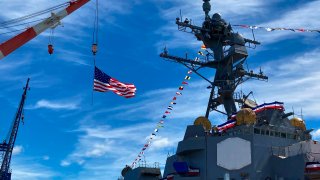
column 257, row 142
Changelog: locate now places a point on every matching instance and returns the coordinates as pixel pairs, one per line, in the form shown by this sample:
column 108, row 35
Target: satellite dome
column 205, row 122
column 246, row 116
column 298, row 123
column 216, row 17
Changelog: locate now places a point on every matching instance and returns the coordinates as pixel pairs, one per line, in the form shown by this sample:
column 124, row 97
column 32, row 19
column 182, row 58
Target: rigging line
column 96, row 25
column 94, row 28
column 13, row 31
column 5, row 27
column 97, row 16
column 33, row 14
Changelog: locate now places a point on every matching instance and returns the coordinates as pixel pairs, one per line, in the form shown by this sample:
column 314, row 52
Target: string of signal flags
column 269, row 29
column 161, row 122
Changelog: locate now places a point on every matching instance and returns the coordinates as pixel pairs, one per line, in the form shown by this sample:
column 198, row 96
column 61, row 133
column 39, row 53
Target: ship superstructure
column 256, row 141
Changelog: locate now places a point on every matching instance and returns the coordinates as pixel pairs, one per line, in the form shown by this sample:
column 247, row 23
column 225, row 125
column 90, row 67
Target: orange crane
column 19, row 40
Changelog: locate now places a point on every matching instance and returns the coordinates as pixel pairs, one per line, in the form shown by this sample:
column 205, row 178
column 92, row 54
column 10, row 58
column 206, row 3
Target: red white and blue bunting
column 232, row 122
column 277, row 28
column 161, row 122
column 312, row 167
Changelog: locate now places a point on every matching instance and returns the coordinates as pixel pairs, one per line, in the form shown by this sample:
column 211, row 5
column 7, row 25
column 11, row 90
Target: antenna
column 301, row 114
column 225, row 58
column 293, row 111
column 206, row 8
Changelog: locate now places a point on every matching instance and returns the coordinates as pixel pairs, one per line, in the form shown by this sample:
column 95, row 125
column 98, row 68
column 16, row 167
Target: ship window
column 256, row 131
column 277, row 134
column 271, row 133
column 262, row 132
column 283, row 135
column 290, row 136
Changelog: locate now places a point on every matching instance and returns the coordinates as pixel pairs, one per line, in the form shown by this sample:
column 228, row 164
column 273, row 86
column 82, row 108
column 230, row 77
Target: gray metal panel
column 234, row 153
column 194, row 131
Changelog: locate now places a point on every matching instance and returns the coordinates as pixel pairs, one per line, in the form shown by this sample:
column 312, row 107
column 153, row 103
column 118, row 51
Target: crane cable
column 20, row 21
column 95, row 35
column 95, row 32
column 32, row 15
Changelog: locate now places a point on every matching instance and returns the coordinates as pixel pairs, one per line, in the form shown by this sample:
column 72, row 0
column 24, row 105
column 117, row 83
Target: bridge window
column 267, row 132
column 256, row 131
column 272, row 133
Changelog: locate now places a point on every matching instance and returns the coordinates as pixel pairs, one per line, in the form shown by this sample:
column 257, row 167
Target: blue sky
column 67, row 137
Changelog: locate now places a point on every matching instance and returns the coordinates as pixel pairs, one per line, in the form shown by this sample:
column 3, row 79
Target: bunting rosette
column 161, row 122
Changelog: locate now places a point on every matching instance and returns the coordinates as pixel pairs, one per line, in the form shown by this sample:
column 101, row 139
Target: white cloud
column 292, row 80
column 56, row 105
column 31, row 173
column 17, row 150
column 162, row 143
column 65, row 163
column 28, row 168
column 316, row 134
column 46, row 158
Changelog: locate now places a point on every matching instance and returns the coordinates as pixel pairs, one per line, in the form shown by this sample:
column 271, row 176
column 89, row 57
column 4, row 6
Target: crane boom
column 19, row 40
column 7, row 146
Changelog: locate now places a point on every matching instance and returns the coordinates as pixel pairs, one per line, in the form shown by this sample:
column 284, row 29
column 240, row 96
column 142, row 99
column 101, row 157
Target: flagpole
column 94, row 66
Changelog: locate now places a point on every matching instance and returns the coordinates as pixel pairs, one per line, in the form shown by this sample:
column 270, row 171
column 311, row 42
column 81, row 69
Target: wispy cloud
column 29, row 169
column 17, row 150
column 56, row 105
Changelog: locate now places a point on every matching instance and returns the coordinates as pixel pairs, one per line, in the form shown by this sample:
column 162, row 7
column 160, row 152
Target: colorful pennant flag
column 161, row 122
column 200, row 53
column 278, row 29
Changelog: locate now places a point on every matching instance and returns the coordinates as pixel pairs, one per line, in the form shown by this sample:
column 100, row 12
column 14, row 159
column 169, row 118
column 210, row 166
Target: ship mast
column 226, row 52
column 7, row 146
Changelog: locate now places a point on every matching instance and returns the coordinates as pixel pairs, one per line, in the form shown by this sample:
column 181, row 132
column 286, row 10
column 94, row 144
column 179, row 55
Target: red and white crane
column 19, row 40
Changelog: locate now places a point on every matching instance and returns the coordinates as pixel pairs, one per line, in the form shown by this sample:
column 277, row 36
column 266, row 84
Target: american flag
column 103, row 83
